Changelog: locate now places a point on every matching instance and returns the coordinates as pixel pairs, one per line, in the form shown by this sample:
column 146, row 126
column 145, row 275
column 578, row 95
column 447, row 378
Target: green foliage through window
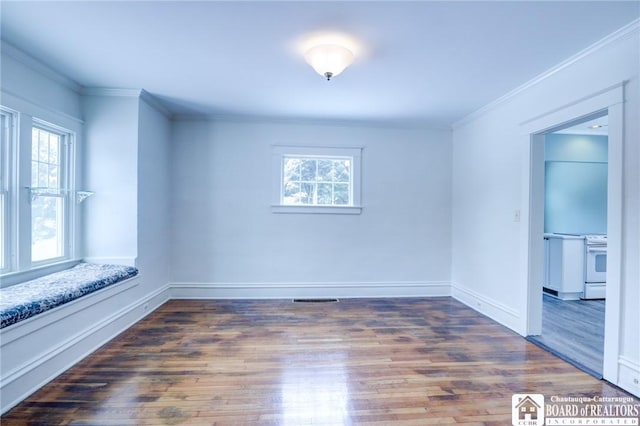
column 47, row 209
column 317, row 181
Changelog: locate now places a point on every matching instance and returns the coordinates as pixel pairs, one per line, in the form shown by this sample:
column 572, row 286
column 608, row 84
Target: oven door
column 596, row 264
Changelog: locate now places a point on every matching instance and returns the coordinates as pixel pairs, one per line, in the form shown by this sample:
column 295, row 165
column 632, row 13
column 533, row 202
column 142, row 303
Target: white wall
column 111, row 170
column 127, row 165
column 490, row 165
column 227, row 242
column 575, row 182
column 153, row 199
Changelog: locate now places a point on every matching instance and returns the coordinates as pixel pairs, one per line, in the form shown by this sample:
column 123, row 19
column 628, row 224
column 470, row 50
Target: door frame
column 607, row 101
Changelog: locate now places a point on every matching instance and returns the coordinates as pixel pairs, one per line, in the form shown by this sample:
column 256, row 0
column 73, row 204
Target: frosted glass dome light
column 329, row 60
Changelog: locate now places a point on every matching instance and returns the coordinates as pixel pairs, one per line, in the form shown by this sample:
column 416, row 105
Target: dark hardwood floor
column 357, row 361
column 574, row 329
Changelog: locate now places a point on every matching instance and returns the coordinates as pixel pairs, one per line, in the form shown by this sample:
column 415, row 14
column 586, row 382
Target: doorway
column 606, row 102
column 575, row 226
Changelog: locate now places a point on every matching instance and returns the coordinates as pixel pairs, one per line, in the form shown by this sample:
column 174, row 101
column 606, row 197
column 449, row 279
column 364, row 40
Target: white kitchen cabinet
column 564, row 265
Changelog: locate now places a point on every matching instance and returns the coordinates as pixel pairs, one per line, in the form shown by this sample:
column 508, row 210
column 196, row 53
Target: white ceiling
column 426, row 61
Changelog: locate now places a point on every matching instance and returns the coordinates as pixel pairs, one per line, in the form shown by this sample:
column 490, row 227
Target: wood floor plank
column 574, row 329
column 361, row 361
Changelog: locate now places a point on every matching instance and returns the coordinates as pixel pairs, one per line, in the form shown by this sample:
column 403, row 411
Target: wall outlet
column 516, row 215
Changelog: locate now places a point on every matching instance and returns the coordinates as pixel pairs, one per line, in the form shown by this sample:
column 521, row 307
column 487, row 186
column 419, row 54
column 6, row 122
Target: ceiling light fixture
column 596, row 126
column 329, row 60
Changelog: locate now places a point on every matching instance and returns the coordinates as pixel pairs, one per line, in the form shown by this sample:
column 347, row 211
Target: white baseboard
column 493, row 309
column 629, row 375
column 185, row 290
column 53, row 360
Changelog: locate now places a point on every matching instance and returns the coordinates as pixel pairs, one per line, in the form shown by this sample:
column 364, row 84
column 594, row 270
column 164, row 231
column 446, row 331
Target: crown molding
column 628, row 30
column 155, row 103
column 108, row 91
column 40, row 67
column 405, row 124
column 141, row 94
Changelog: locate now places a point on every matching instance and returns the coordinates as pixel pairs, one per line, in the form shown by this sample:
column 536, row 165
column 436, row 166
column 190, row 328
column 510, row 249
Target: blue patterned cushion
column 22, row 301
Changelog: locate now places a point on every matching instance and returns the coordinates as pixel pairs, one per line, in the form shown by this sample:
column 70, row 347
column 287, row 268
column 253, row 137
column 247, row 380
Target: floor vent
column 314, row 300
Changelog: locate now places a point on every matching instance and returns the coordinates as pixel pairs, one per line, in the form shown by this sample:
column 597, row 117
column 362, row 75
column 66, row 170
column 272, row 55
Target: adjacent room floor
column 356, row 361
column 574, row 330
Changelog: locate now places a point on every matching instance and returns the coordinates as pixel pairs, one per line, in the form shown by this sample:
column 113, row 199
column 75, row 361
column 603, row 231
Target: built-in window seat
column 25, row 300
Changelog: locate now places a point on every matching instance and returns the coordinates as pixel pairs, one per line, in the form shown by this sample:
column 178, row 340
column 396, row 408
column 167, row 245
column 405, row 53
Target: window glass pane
column 34, row 173
column 47, row 223
column 325, row 170
column 42, row 171
column 54, row 177
column 316, row 181
column 292, row 169
column 35, row 146
column 45, row 160
column 307, row 193
column 341, row 194
column 43, row 146
column 308, row 170
column 292, row 193
column 342, row 170
column 53, row 148
column 47, row 209
column 325, row 195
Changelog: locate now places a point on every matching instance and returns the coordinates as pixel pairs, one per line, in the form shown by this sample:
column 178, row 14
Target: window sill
column 316, row 209
column 17, row 277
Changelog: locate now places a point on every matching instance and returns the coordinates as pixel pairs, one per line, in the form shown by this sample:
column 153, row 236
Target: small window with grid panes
column 316, row 180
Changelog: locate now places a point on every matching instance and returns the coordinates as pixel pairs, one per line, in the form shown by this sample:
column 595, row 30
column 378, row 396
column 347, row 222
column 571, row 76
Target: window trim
column 18, row 250
column 279, row 152
column 8, row 167
column 67, row 138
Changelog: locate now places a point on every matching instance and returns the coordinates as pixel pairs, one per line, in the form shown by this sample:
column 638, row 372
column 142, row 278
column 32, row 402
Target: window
column 49, row 193
column 37, row 205
column 316, row 180
column 6, row 142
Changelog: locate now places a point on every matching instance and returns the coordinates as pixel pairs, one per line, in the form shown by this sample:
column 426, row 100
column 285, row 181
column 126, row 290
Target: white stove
column 595, row 267
column 596, row 239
